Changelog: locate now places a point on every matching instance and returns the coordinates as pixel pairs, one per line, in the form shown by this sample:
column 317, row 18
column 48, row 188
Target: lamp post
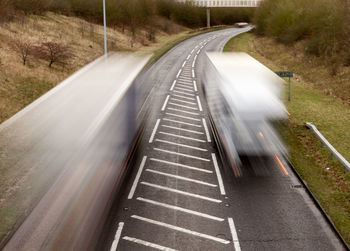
column 104, row 27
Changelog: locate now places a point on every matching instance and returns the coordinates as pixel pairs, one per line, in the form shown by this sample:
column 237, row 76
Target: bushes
column 319, row 22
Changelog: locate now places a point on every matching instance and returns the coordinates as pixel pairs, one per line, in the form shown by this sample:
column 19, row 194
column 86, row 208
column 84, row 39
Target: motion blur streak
column 75, row 141
column 244, row 100
column 284, row 170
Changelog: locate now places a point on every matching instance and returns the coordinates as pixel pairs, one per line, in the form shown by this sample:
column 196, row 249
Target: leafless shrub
column 53, row 52
column 24, row 49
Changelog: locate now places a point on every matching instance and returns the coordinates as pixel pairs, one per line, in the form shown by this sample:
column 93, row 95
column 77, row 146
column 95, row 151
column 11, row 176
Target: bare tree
column 24, row 48
column 53, row 52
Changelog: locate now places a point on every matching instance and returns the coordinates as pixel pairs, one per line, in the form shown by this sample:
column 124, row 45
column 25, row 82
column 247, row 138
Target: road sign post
column 286, row 74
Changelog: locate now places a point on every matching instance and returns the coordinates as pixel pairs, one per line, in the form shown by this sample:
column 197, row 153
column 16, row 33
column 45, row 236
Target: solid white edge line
column 178, row 74
column 180, row 229
column 154, row 131
column 182, row 129
column 181, row 178
column 182, row 154
column 117, row 236
column 218, row 174
column 234, row 234
column 134, row 185
column 199, row 104
column 147, row 244
column 165, row 102
column 182, row 165
column 181, row 209
column 173, row 85
column 182, row 137
column 181, row 122
column 206, row 130
column 183, row 145
column 195, row 85
column 194, row 195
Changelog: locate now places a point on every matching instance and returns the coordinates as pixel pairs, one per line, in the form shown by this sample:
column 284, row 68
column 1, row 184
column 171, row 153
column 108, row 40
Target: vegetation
column 314, row 101
column 322, row 25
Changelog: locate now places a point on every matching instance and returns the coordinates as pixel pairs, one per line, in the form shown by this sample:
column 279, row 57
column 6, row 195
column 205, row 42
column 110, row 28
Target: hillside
column 82, row 42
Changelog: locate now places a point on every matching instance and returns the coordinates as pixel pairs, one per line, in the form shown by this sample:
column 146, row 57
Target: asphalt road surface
column 180, row 197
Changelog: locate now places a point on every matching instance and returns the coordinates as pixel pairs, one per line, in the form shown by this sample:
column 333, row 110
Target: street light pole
column 104, row 27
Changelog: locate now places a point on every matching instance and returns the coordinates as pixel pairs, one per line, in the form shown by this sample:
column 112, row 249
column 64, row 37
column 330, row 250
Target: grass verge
column 310, row 102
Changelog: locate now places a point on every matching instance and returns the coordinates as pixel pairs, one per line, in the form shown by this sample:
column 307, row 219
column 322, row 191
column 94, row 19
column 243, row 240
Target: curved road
column 179, row 196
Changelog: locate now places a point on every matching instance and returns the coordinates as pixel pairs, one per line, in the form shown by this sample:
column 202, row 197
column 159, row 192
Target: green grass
column 323, row 176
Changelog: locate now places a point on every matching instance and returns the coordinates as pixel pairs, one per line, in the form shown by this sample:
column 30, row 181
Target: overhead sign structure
column 220, row 3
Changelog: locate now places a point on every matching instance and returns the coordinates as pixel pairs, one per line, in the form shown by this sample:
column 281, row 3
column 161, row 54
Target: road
column 180, row 197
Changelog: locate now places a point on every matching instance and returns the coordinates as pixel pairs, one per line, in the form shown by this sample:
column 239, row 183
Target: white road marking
column 181, row 209
column 234, row 234
column 192, row 51
column 117, row 236
column 197, row 46
column 185, row 93
column 184, row 78
column 181, row 129
column 173, row 85
column 182, row 137
column 185, row 82
column 188, row 86
column 180, row 122
column 165, row 102
column 206, row 130
column 183, row 65
column 147, row 244
column 181, row 178
column 194, row 195
column 195, row 58
column 184, row 106
column 187, row 102
column 182, row 154
column 218, row 174
column 198, row 51
column 183, row 145
column 193, row 76
column 182, row 165
column 199, row 104
column 180, row 116
column 154, row 131
column 134, row 185
column 178, row 110
column 178, row 74
column 195, row 85
column 188, row 57
column 193, row 63
column 180, row 229
column 184, row 89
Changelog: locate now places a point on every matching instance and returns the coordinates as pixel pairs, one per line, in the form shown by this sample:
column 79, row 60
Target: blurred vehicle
column 241, row 24
column 243, row 100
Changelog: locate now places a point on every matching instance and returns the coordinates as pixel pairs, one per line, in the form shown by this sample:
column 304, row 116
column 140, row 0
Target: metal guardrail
column 334, row 152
